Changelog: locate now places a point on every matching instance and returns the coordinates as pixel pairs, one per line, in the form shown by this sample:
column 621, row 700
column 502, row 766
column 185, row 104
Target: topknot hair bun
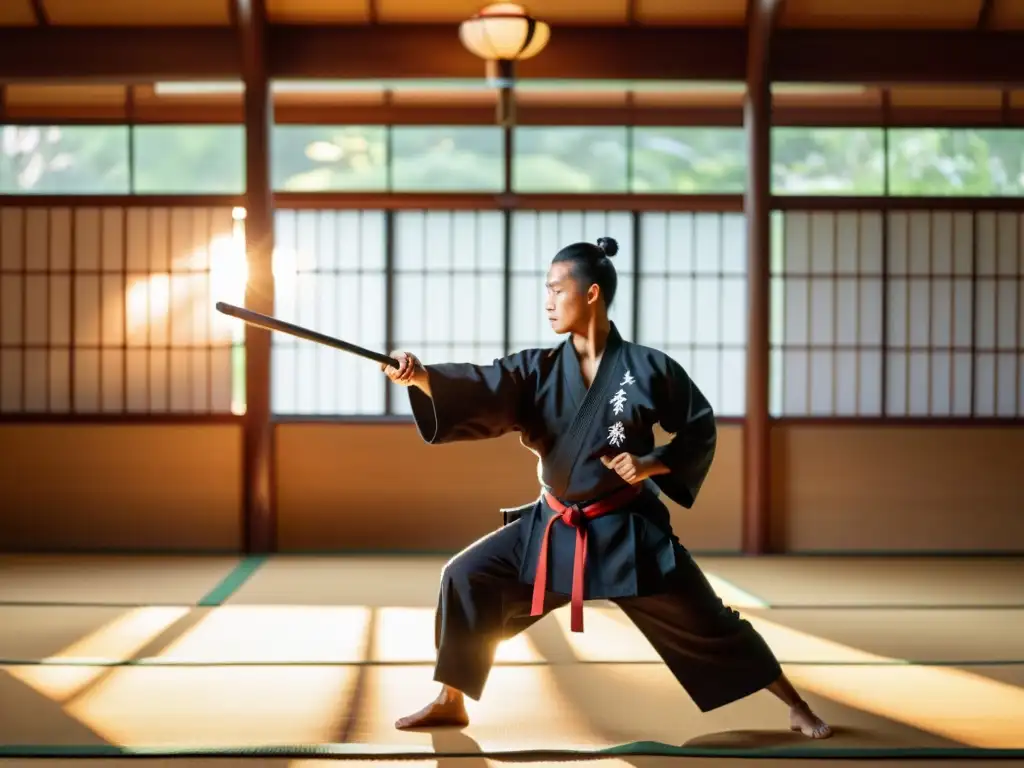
column 608, row 245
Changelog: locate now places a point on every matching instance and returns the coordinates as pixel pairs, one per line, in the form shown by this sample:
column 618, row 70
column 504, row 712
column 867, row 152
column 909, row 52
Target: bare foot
column 806, row 722
column 447, row 710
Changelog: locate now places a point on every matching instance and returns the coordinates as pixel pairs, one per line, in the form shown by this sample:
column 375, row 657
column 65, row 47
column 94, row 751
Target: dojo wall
column 170, row 487
column 839, row 484
column 840, row 488
column 895, row 322
column 912, row 488
column 120, row 487
column 118, row 379
column 441, row 497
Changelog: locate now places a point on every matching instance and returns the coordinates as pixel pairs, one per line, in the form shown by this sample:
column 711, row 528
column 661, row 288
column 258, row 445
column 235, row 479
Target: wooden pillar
column 260, row 523
column 757, row 204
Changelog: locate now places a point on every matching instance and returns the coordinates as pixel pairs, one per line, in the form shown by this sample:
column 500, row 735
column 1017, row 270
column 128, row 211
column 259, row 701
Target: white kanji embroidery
column 616, row 434
column 619, row 401
column 627, row 379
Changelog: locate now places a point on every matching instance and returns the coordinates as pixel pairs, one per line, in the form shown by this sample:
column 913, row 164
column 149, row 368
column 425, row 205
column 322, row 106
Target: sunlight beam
column 217, row 706
column 406, row 635
column 609, row 637
column 185, row 297
column 274, row 633
column 732, row 595
column 953, row 703
column 945, row 701
column 117, row 640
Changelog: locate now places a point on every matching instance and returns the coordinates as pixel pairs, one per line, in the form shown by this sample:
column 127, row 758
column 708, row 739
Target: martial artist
column 598, row 530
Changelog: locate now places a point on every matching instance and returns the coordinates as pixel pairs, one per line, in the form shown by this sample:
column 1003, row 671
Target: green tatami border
column 395, row 752
column 231, row 583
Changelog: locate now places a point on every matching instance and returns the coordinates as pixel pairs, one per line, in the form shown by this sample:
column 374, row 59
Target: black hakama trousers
column 716, row 655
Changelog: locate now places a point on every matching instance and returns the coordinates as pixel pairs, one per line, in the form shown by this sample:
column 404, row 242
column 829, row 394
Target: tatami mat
column 592, row 707
column 242, row 634
column 344, row 580
column 1008, row 674
column 531, row 708
column 322, row 634
column 97, row 579
column 978, row 635
column 876, row 581
column 81, row 632
column 331, row 650
column 413, row 580
column 374, row 581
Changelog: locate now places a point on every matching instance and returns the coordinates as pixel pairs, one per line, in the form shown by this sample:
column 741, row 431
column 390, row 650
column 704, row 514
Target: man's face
column 567, row 305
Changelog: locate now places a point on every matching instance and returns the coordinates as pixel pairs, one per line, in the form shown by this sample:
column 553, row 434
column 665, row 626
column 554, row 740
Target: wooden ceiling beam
column 411, row 51
column 39, row 11
column 985, row 14
column 433, row 51
column 894, row 57
column 121, row 54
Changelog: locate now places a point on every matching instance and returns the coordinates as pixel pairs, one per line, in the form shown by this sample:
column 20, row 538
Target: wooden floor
column 110, row 656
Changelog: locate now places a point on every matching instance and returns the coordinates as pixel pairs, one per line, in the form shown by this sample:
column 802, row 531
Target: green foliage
column 316, row 158
column 183, row 159
column 927, row 161
column 78, row 159
column 570, row 160
column 689, row 160
column 564, row 159
column 448, row 159
column 819, row 161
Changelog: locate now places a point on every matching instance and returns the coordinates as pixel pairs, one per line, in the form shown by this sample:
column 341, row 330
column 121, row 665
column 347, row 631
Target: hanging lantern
column 502, row 34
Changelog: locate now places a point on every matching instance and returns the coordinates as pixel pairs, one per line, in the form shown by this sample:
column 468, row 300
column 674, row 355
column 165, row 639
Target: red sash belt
column 573, row 515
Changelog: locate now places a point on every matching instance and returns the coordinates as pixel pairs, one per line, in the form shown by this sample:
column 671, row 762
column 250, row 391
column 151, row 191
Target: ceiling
column 541, row 101
column 806, row 14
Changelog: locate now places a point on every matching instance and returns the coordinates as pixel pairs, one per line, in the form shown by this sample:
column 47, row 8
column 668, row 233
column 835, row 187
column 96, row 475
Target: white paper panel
column 797, row 243
column 60, row 239
column 871, row 395
column 11, row 306
column 942, row 243
column 934, row 310
column 846, row 381
column 796, row 375
column 37, row 239
column 897, row 376
column 871, row 224
column 12, row 229
column 693, row 299
column 330, row 277
column 37, row 306
column 60, row 380
column 11, row 380
column 66, row 285
column 823, row 309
